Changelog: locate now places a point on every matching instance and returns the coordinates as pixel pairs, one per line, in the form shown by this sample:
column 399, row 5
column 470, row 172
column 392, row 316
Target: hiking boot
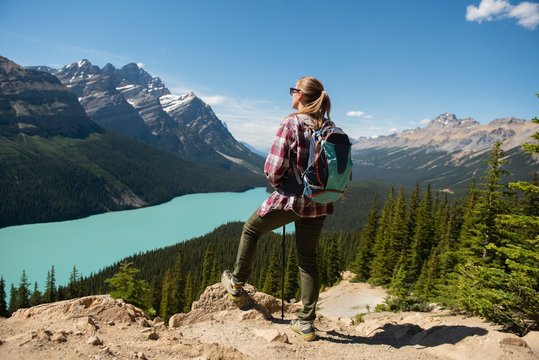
column 233, row 287
column 305, row 328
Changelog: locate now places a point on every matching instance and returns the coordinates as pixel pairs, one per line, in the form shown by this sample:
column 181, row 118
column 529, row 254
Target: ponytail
column 317, row 103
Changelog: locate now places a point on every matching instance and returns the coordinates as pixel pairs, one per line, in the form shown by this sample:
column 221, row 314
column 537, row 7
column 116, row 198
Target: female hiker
column 290, row 148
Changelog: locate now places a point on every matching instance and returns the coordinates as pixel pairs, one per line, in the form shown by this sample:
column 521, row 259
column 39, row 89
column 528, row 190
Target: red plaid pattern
column 291, row 142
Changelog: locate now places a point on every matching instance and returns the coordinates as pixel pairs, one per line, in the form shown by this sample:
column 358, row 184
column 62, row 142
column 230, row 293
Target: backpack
column 329, row 168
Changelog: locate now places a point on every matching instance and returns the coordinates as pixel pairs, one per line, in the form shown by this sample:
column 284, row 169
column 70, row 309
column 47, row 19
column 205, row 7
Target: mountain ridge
column 132, row 102
column 36, row 103
column 447, row 152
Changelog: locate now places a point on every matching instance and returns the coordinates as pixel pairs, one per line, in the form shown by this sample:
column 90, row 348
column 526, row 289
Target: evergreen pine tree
column 272, row 281
column 441, row 268
column 74, row 286
column 167, row 297
column 291, row 279
column 479, row 230
column 50, row 287
column 178, row 285
column 124, row 285
column 493, row 204
column 530, row 204
column 398, row 242
column 3, row 305
column 153, row 298
column 188, row 293
column 36, row 297
column 380, row 273
column 442, row 219
column 411, row 210
column 322, row 261
column 429, row 278
column 13, row 299
column 424, row 286
column 424, row 236
column 335, row 263
column 362, row 263
column 208, row 267
column 61, row 293
column 23, row 292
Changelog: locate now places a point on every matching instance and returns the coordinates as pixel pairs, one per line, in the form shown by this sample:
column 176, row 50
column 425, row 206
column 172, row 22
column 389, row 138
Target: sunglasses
column 293, row 91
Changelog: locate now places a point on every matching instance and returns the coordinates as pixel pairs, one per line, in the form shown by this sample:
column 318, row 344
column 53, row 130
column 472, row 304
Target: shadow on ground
column 398, row 335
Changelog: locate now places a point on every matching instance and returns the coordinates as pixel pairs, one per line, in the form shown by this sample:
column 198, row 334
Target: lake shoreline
column 96, row 241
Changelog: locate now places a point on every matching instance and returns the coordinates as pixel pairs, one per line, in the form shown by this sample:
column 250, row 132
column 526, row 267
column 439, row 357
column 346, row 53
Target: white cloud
column 214, row 100
column 355, row 113
column 526, row 13
column 488, row 10
column 393, row 130
column 424, row 121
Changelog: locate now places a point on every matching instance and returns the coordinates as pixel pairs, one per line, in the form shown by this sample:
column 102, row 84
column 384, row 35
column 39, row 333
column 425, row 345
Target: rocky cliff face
column 132, row 102
column 35, row 103
column 97, row 93
column 201, row 133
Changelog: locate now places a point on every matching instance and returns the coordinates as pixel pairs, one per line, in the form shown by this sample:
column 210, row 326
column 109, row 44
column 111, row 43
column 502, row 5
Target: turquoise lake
column 100, row 240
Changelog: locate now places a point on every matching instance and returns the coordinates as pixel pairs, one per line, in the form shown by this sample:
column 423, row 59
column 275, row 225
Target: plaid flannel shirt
column 291, row 142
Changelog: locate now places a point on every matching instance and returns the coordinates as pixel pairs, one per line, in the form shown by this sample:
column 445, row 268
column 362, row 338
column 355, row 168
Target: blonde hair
column 317, row 103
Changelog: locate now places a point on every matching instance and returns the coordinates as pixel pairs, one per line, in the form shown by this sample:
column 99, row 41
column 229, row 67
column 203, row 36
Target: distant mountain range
column 131, row 102
column 447, row 153
column 56, row 163
column 82, row 140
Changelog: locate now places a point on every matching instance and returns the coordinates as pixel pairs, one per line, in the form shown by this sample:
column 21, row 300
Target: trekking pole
column 282, row 275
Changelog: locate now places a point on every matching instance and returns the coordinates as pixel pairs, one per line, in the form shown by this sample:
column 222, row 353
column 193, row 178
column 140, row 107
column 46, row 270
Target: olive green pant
column 307, row 233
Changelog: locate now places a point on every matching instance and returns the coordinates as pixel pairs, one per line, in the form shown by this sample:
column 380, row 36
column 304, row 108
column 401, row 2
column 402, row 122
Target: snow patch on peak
column 170, row 103
column 82, row 63
column 446, row 119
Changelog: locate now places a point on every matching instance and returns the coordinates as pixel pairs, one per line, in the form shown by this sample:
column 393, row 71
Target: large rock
column 100, row 307
column 214, row 303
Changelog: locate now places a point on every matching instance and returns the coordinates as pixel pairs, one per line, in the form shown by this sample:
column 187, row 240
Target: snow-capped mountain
column 132, row 102
column 448, row 151
column 203, row 128
column 97, row 93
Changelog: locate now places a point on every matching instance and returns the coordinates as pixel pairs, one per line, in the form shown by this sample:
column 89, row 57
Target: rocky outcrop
column 214, row 303
column 101, row 308
column 99, row 327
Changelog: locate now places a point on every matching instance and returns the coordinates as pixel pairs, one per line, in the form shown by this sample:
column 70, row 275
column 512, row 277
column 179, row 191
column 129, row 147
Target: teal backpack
column 329, row 168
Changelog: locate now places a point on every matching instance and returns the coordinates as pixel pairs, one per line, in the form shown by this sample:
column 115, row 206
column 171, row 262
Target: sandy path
column 348, row 299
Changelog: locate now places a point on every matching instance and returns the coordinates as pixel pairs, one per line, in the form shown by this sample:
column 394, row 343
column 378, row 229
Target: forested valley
column 477, row 254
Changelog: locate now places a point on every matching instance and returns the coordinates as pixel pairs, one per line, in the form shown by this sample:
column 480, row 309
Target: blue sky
column 387, row 65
